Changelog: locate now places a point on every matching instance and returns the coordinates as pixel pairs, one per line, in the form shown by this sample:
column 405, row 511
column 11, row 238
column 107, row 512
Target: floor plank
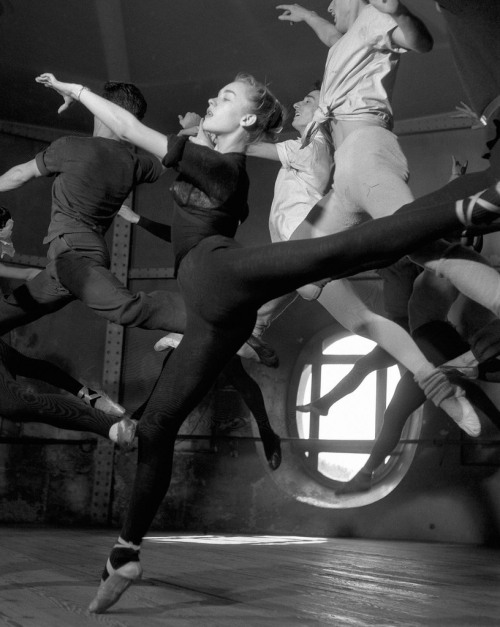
column 50, row 575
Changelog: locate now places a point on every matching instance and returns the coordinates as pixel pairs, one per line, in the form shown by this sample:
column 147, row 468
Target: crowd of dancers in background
column 341, row 205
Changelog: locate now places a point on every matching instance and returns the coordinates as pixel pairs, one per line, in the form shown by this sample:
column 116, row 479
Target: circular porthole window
column 335, row 437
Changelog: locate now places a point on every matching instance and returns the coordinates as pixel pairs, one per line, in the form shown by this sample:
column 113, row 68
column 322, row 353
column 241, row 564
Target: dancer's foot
column 361, row 482
column 465, row 365
column 100, row 401
column 461, row 411
column 465, row 360
column 171, row 340
column 450, row 398
column 121, row 570
column 482, row 209
column 272, row 448
column 321, row 408
column 256, row 349
column 311, row 291
column 123, row 432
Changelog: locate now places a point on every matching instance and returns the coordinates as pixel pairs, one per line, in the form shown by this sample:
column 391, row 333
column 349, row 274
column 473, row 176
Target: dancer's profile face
column 229, row 110
column 304, row 109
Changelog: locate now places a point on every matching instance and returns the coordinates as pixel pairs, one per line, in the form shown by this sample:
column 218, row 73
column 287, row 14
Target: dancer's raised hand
column 292, row 12
column 189, row 120
column 67, row 90
column 203, row 138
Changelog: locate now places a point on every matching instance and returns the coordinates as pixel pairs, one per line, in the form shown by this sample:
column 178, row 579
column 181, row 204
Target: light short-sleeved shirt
column 360, row 70
column 302, row 181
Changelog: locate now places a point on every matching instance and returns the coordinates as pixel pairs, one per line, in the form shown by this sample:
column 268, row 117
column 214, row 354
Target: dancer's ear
column 248, row 120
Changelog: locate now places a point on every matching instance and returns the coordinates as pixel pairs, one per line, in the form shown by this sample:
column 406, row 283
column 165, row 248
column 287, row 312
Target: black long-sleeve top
column 163, row 231
column 210, row 192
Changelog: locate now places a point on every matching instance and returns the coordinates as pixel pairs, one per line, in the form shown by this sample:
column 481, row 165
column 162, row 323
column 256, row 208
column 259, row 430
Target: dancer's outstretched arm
column 325, row 30
column 125, row 125
column 159, row 229
column 264, row 150
column 19, row 175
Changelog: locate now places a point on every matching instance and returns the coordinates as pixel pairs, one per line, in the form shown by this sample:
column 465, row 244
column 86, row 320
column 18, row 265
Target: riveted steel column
column 113, row 39
column 104, row 455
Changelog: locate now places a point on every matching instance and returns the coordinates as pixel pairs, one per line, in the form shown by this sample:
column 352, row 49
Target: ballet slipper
column 123, row 432
column 481, row 209
column 272, row 449
column 461, row 411
column 257, row 350
column 101, row 401
column 171, row 340
column 309, row 292
column 450, row 398
column 465, row 365
column 114, row 585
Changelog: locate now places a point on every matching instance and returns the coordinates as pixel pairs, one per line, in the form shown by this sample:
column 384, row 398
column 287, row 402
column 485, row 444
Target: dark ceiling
column 180, row 52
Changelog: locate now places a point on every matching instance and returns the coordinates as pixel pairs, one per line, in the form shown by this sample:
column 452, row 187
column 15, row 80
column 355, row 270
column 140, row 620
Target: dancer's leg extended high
column 224, row 317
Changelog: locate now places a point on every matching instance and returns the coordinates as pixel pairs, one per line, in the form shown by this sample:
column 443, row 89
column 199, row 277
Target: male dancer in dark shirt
column 92, row 177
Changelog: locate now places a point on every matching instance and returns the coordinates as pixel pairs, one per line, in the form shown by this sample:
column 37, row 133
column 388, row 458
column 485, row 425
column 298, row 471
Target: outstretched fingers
column 49, row 80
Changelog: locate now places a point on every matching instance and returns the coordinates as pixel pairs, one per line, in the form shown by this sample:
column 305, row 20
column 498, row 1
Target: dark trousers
column 78, row 269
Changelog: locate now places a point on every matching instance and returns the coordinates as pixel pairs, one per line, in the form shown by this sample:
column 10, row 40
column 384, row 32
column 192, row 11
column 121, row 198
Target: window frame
column 388, row 475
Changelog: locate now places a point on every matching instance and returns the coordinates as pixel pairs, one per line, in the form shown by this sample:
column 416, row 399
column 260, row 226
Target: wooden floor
column 49, row 576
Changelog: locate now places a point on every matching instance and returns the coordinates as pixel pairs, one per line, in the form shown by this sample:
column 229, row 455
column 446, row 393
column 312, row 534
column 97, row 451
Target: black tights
column 223, row 285
column 254, row 400
column 43, row 371
column 19, row 404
